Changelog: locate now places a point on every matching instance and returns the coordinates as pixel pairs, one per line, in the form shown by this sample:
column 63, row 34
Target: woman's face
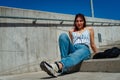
column 79, row 23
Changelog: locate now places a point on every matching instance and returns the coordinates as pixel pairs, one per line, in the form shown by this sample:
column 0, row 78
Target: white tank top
column 84, row 37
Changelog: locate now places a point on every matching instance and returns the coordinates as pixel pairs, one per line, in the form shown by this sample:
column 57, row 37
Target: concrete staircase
column 109, row 65
column 93, row 69
column 102, row 65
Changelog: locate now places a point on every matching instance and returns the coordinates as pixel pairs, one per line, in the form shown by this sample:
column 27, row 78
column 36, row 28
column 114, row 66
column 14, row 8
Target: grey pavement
column 73, row 76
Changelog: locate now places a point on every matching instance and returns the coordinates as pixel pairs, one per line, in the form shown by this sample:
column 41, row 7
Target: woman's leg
column 65, row 45
column 75, row 58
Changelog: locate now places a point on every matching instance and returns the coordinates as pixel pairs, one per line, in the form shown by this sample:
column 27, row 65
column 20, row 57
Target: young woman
column 74, row 49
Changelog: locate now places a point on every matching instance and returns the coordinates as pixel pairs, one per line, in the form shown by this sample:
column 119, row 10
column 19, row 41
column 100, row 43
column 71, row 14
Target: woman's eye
column 79, row 20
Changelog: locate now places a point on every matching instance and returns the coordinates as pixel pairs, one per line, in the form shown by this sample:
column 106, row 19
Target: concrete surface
column 24, row 44
column 73, row 76
column 101, row 65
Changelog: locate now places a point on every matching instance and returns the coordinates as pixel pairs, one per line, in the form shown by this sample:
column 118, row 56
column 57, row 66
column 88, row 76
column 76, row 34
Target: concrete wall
column 24, row 44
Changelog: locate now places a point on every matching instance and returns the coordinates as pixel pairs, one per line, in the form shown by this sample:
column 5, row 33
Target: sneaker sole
column 47, row 68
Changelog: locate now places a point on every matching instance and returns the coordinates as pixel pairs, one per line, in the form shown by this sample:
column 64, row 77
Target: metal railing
column 30, row 18
column 93, row 23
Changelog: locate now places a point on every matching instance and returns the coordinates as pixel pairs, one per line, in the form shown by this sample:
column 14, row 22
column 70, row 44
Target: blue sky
column 108, row 9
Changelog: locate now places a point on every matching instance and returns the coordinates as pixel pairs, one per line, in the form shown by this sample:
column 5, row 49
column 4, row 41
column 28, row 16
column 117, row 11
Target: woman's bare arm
column 92, row 41
column 70, row 34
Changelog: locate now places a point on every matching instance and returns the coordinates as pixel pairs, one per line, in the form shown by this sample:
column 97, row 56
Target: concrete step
column 73, row 76
column 93, row 69
column 103, row 48
column 109, row 46
column 101, row 65
column 94, row 65
column 111, row 65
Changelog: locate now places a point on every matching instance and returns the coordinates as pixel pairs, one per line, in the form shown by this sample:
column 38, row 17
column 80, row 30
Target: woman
column 75, row 50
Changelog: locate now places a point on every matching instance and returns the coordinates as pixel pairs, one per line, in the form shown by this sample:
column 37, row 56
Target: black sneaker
column 48, row 68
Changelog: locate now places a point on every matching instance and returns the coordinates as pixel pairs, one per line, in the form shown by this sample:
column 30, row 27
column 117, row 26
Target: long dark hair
column 83, row 17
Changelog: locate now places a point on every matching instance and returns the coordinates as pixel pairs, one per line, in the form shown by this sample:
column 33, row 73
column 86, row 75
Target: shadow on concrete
column 33, row 25
column 48, row 77
column 38, row 25
column 71, row 70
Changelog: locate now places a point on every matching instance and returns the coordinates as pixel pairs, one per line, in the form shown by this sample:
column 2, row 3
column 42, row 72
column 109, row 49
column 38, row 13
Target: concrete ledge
column 101, row 65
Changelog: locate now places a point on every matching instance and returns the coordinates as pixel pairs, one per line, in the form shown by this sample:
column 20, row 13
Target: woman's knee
column 63, row 36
